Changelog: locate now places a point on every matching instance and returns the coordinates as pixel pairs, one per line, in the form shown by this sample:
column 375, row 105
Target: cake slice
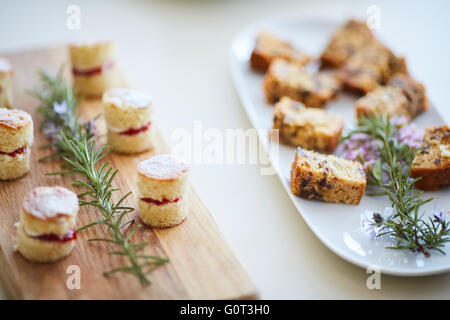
column 370, row 67
column 402, row 96
column 345, row 42
column 285, row 78
column 6, row 74
column 309, row 128
column 327, row 178
column 269, row 47
column 432, row 163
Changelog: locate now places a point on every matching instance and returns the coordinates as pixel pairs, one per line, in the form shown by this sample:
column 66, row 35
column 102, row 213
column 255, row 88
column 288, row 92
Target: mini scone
column 16, row 138
column 47, row 221
column 128, row 120
column 6, row 74
column 432, row 163
column 402, row 96
column 93, row 67
column 163, row 188
column 285, row 78
column 327, row 177
column 309, row 128
column 269, row 47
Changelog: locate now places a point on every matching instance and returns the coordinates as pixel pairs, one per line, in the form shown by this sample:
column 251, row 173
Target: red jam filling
column 15, row 152
column 69, row 236
column 160, row 202
column 131, row 131
column 92, row 71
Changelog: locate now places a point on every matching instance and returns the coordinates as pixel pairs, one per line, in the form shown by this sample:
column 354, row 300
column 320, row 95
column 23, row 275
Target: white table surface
column 177, row 51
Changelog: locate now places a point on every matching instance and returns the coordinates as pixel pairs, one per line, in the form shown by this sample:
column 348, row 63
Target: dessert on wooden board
column 94, row 67
column 402, row 96
column 309, row 128
column 285, row 78
column 6, row 74
column 327, row 177
column 46, row 232
column 268, row 47
column 16, row 138
column 432, row 163
column 128, row 120
column 162, row 183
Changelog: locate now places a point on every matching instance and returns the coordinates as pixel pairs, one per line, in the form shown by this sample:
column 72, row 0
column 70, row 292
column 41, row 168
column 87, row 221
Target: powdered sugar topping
column 162, row 167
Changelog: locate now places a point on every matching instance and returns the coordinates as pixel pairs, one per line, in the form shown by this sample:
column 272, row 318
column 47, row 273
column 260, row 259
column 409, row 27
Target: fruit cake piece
column 309, row 128
column 16, row 138
column 128, row 120
column 402, row 96
column 269, row 47
column 285, row 78
column 162, row 183
column 347, row 40
column 6, row 73
column 46, row 229
column 327, row 178
column 93, row 67
column 370, row 67
column 433, row 162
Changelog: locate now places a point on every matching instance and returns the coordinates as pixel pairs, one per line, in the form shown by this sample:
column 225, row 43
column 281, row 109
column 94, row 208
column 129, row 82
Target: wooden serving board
column 202, row 265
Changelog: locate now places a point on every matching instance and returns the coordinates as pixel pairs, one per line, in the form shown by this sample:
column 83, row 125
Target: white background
column 177, row 51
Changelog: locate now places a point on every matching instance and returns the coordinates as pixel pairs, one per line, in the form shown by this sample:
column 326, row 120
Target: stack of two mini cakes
column 16, row 138
column 93, row 67
column 163, row 187
column 128, row 120
column 46, row 228
column 6, row 74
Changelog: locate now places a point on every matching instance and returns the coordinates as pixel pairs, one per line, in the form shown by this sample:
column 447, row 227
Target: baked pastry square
column 345, row 42
column 309, row 128
column 285, row 78
column 269, row 47
column 327, row 178
column 369, row 67
column 432, row 163
column 402, row 96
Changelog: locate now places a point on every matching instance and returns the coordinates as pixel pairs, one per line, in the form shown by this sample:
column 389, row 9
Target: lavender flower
column 371, row 221
column 60, row 108
column 439, row 216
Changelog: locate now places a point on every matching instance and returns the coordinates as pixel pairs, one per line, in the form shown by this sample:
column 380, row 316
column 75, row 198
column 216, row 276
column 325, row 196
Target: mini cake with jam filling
column 327, row 177
column 289, row 79
column 6, row 74
column 16, row 138
column 128, row 119
column 269, row 47
column 162, row 183
column 47, row 221
column 310, row 128
column 93, row 67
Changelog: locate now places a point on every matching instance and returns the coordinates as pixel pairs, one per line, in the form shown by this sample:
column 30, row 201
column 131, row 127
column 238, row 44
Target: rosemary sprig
column 74, row 143
column 391, row 173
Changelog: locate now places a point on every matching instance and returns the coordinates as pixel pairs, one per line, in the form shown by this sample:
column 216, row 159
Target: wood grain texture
column 201, row 266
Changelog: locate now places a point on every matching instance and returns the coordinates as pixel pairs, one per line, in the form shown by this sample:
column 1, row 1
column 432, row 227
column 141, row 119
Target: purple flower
column 439, row 216
column 370, row 221
column 60, row 108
